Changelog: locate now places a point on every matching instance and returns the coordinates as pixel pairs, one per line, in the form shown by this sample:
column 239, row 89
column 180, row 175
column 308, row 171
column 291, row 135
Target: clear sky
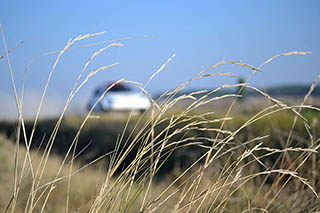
column 201, row 33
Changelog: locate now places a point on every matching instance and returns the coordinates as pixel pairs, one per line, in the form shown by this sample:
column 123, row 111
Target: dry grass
column 86, row 182
column 231, row 174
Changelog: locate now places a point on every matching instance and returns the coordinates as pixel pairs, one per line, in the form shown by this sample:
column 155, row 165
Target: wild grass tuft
column 262, row 161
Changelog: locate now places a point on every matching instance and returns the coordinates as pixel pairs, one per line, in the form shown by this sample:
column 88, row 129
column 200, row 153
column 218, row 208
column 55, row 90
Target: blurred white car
column 119, row 98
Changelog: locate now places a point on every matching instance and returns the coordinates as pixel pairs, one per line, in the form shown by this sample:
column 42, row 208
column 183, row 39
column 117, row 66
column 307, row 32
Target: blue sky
column 201, row 33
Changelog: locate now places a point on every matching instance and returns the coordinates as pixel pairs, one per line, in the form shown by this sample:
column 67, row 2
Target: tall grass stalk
column 221, row 178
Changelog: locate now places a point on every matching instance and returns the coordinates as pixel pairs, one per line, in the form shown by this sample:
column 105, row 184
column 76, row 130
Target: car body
column 120, row 97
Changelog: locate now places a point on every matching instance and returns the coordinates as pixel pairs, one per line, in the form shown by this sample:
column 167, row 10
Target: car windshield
column 119, row 89
column 115, row 88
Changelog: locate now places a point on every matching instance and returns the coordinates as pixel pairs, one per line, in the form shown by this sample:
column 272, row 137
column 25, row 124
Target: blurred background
column 199, row 33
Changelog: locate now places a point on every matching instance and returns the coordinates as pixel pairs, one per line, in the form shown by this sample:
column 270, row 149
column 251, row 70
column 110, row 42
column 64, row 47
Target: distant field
column 265, row 137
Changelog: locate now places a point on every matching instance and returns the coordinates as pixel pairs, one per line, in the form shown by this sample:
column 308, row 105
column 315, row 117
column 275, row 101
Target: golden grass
column 232, row 173
column 87, row 182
